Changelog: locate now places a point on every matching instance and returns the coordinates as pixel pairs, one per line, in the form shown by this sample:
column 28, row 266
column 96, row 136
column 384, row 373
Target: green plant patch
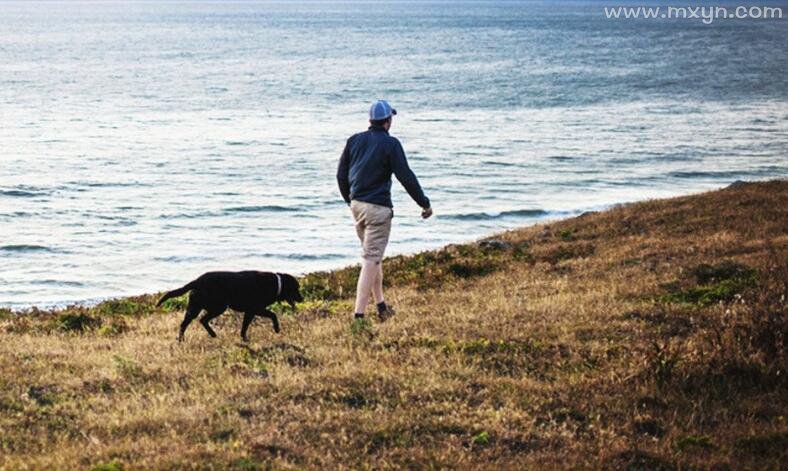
column 327, row 286
column 244, row 358
column 710, row 294
column 425, row 270
column 481, row 439
column 566, row 235
column 113, row 465
column 321, row 308
column 113, row 328
column 69, row 322
column 362, row 328
column 716, row 283
column 123, row 307
column 176, row 304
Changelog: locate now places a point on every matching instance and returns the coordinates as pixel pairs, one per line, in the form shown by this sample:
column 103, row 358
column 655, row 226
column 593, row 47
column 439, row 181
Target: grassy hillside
column 650, row 336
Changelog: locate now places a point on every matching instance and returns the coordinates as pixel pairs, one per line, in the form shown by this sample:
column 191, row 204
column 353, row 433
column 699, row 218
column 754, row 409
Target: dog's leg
column 248, row 318
column 274, row 320
column 192, row 311
column 208, row 317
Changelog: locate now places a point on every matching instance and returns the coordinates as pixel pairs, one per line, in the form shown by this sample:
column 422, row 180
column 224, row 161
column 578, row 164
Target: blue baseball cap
column 381, row 110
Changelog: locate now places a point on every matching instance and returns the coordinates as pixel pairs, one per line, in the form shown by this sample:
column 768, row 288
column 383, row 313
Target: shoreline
column 549, row 218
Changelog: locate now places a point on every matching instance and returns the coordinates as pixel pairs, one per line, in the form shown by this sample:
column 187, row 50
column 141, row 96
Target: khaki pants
column 373, row 226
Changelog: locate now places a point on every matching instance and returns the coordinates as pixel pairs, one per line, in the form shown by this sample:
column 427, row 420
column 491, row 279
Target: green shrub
column 482, row 438
column 176, row 304
column 124, row 307
column 566, row 235
column 329, row 285
column 75, row 322
column 113, row 465
column 116, row 327
column 362, row 328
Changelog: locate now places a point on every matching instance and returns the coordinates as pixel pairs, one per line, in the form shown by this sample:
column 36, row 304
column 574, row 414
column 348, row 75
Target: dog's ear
column 293, row 294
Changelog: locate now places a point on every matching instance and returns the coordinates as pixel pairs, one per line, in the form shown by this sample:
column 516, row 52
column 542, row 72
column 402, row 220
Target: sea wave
column 240, row 143
column 268, row 208
column 57, row 283
column 501, row 164
column 109, row 184
column 22, row 193
column 25, row 248
column 304, row 256
column 721, row 174
column 184, row 258
column 486, row 216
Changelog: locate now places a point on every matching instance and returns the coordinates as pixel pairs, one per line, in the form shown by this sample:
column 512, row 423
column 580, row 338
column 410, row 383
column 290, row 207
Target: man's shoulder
column 374, row 137
column 357, row 135
column 384, row 137
column 394, row 145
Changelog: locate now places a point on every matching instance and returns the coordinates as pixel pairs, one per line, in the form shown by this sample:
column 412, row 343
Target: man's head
column 380, row 114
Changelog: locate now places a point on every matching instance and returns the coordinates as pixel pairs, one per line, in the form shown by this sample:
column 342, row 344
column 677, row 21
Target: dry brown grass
column 650, row 336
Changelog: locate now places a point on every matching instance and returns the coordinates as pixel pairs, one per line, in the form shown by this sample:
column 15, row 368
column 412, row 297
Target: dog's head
column 291, row 290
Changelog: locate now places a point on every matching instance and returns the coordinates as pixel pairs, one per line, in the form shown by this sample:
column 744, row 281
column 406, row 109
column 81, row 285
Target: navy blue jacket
column 366, row 165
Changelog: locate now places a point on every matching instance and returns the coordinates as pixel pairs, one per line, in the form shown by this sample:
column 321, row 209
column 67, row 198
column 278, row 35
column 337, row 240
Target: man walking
column 364, row 177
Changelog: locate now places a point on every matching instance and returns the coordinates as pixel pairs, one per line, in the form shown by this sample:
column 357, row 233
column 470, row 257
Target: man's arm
column 342, row 173
column 399, row 165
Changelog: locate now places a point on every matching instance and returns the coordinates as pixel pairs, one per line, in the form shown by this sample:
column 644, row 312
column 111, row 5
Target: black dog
column 250, row 292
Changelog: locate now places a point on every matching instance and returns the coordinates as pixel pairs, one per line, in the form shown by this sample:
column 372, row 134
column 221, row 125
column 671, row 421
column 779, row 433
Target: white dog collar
column 278, row 285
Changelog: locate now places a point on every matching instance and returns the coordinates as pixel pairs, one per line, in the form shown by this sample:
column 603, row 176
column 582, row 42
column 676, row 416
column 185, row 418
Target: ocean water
column 142, row 144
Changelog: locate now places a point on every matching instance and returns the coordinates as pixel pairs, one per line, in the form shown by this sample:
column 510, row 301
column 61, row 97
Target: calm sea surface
column 144, row 143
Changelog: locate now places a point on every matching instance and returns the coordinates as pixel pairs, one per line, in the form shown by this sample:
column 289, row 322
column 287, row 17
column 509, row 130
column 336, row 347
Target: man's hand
column 426, row 213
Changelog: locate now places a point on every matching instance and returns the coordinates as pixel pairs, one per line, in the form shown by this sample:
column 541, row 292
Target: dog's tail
column 176, row 292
